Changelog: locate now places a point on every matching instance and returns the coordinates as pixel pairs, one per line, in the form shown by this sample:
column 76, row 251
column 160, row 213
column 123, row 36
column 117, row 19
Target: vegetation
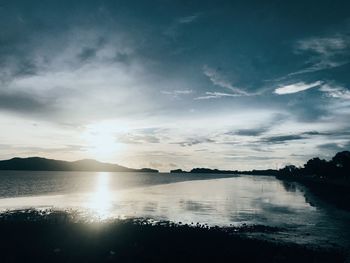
column 337, row 167
column 328, row 180
column 32, row 236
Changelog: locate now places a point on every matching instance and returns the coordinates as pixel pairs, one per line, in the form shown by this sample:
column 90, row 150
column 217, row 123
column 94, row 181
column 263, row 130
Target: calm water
column 181, row 197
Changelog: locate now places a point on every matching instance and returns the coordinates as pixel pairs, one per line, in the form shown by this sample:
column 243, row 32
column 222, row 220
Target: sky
column 175, row 84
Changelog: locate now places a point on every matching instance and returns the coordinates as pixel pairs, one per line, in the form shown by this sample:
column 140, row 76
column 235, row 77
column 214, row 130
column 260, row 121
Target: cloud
column 335, row 134
column 312, row 133
column 218, row 80
column 188, row 19
column 22, row 103
column 57, row 92
column 324, row 52
column 282, row 138
column 215, row 95
column 142, row 136
column 325, row 46
column 177, row 93
column 264, row 127
column 335, row 91
column 296, row 87
column 194, row 141
column 253, row 157
column 174, row 30
column 137, row 139
column 250, row 132
column 324, row 64
column 33, row 150
column 304, row 135
column 125, row 63
column 90, row 74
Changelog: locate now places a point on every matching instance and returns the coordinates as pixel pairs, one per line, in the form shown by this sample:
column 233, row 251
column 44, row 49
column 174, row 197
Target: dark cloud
column 312, row 133
column 309, row 134
column 250, row 132
column 275, row 120
column 87, row 53
column 282, row 138
column 22, row 103
column 333, row 133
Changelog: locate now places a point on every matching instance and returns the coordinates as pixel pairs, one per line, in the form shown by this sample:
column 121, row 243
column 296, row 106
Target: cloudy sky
column 175, row 84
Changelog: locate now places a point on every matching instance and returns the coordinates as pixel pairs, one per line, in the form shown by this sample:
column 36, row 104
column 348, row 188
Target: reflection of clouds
column 150, row 207
column 273, row 208
column 196, row 206
column 246, row 199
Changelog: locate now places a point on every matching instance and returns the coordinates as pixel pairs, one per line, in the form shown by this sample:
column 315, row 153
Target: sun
column 101, row 141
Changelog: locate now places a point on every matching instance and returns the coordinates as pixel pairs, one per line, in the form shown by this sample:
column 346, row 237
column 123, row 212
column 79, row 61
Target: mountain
column 43, row 164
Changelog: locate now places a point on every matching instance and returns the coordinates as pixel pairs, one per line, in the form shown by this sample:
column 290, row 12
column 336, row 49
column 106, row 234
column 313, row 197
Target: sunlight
column 101, row 200
column 101, row 140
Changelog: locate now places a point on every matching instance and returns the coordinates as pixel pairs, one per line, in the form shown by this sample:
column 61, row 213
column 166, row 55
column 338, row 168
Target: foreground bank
column 57, row 237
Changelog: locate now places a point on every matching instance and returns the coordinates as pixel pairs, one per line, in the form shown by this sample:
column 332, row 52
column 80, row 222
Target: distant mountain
column 43, row 164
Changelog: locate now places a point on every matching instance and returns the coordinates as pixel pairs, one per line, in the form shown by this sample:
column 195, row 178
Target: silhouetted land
column 30, row 236
column 204, row 171
column 217, row 171
column 43, row 164
column 329, row 180
column 338, row 167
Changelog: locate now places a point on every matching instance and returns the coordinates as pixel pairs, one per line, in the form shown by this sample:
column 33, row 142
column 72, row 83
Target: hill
column 43, row 164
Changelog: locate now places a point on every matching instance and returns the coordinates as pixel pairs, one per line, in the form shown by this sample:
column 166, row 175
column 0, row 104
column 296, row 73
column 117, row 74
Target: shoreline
column 31, row 235
column 334, row 192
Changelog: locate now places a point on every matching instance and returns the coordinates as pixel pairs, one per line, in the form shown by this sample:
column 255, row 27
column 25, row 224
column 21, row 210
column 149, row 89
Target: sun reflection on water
column 101, row 200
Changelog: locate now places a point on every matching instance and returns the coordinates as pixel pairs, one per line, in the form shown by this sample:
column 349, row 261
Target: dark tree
column 320, row 167
column 342, row 159
column 289, row 170
column 342, row 162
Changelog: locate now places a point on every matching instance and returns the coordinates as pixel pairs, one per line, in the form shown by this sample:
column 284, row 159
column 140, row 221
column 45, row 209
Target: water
column 214, row 200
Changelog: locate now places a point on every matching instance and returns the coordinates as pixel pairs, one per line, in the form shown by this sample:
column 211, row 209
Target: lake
column 211, row 199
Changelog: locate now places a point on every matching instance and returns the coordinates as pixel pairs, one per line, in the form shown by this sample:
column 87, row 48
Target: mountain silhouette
column 43, row 164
